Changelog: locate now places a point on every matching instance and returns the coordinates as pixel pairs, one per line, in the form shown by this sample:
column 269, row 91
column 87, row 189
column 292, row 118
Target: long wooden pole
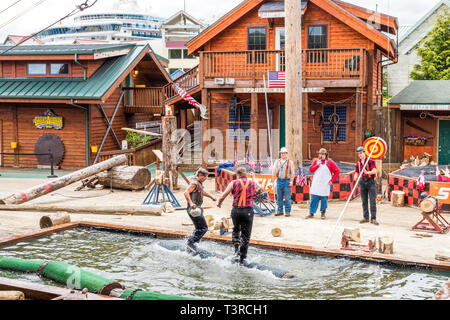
column 143, row 132
column 293, row 96
column 64, row 181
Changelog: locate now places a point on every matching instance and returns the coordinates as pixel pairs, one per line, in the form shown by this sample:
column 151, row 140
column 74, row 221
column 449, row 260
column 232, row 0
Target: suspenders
column 287, row 168
column 243, row 198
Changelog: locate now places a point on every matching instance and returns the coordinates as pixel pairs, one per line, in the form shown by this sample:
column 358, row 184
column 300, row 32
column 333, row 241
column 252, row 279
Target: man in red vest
column 244, row 191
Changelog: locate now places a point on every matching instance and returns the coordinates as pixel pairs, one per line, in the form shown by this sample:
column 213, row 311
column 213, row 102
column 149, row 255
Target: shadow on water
column 139, row 262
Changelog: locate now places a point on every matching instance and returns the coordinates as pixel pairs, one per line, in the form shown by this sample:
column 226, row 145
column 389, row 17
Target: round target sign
column 378, row 146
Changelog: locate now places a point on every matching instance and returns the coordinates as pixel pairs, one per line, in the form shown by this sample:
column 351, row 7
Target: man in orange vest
column 244, row 191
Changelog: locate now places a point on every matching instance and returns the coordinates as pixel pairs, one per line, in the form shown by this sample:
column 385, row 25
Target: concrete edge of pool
column 293, row 248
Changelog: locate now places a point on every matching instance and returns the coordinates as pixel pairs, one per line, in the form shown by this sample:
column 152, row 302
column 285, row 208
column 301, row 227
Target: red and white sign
column 441, row 191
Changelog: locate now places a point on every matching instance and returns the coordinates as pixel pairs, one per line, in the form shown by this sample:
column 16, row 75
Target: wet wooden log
column 46, row 188
column 351, row 234
column 125, row 177
column 52, row 220
column 398, row 199
column 12, row 295
column 386, row 245
column 429, row 205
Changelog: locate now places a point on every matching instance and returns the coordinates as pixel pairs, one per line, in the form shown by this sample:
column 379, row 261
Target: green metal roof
column 424, row 92
column 94, row 88
column 62, row 49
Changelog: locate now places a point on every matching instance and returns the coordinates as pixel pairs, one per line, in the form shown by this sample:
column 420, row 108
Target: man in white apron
column 325, row 173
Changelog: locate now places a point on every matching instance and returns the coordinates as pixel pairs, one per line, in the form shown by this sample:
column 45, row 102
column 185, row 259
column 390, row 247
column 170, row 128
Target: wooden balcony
column 321, row 67
column 188, row 81
column 144, row 100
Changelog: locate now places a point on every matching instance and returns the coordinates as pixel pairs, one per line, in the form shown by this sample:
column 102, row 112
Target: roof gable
column 332, row 8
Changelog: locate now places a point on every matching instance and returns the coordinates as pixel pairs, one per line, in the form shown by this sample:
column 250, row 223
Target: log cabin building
column 343, row 47
column 62, row 98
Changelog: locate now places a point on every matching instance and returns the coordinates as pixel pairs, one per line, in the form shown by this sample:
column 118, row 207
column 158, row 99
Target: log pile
column 419, row 161
column 220, row 226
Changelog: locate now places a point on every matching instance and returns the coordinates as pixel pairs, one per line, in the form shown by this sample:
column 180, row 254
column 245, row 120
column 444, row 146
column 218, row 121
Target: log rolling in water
column 62, row 182
column 176, row 246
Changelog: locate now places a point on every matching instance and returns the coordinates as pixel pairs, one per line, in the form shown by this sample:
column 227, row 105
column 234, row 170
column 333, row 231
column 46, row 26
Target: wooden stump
column 48, row 221
column 398, row 199
column 12, row 295
column 428, row 205
column 386, row 245
column 276, row 232
column 125, row 177
column 351, row 234
column 209, row 220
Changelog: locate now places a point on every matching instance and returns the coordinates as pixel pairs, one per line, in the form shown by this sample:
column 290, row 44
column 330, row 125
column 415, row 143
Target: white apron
column 322, row 177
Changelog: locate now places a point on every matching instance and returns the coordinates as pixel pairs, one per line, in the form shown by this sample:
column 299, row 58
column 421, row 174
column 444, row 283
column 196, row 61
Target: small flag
column 187, row 97
column 420, row 182
column 247, row 159
column 277, row 79
column 260, row 165
column 269, row 162
column 447, row 174
column 438, row 174
column 235, row 159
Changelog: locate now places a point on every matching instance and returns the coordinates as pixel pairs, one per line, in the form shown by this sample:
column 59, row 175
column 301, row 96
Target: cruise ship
column 126, row 22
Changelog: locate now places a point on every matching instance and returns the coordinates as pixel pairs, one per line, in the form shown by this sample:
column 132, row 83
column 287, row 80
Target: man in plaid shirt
column 367, row 186
column 244, row 191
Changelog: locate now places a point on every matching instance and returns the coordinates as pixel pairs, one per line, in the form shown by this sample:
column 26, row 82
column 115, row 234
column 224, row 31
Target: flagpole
column 267, row 114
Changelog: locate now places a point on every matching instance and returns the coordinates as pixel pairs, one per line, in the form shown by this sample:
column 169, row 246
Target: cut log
column 398, row 199
column 351, row 234
column 125, row 177
column 12, row 295
column 48, row 221
column 386, row 245
column 209, row 220
column 443, row 256
column 276, row 232
column 218, row 225
column 64, row 181
column 428, row 205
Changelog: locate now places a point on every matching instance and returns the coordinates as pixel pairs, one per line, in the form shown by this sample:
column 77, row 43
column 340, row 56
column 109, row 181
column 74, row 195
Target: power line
column 22, row 13
column 10, row 6
column 85, row 5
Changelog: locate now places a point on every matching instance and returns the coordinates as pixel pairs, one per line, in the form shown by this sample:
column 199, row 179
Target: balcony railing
column 316, row 63
column 144, row 100
column 187, row 81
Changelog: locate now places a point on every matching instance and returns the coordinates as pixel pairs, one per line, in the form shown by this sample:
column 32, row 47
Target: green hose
column 148, row 295
column 20, row 264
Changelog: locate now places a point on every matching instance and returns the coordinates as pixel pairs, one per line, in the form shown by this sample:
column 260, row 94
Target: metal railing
column 50, row 154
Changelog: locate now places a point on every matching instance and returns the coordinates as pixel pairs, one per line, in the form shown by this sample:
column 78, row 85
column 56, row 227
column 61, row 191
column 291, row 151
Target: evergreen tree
column 435, row 53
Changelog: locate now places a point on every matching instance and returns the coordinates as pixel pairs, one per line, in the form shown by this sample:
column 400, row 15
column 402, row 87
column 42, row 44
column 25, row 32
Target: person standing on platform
column 244, row 191
column 325, row 173
column 194, row 196
column 284, row 170
column 367, row 186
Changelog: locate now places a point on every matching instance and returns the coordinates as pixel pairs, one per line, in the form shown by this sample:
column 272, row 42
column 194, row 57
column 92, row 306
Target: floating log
column 125, row 177
column 64, row 181
column 48, row 221
column 177, row 246
column 398, row 199
column 351, row 234
column 12, row 295
column 276, row 232
column 386, row 245
column 428, row 205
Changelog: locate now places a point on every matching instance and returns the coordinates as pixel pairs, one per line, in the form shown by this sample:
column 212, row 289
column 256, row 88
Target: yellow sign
column 48, row 120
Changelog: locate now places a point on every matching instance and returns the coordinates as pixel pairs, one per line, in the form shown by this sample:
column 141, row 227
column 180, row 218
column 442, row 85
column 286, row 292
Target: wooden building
column 343, row 46
column 63, row 98
column 422, row 111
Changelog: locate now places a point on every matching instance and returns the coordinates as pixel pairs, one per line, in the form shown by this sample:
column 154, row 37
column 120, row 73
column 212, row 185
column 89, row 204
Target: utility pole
column 294, row 83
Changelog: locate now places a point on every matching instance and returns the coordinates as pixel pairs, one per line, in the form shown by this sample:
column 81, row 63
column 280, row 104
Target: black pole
column 52, row 172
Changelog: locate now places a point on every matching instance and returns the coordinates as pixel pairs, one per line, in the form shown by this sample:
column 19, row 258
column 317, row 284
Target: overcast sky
column 49, row 11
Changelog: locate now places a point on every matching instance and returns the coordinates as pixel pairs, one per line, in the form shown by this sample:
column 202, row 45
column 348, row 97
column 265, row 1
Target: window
column 57, row 69
column 186, row 55
column 37, row 69
column 257, row 40
column 317, row 39
column 334, row 124
column 239, row 123
column 174, row 53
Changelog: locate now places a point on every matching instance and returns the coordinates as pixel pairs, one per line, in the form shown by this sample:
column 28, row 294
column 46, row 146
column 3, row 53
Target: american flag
column 260, row 164
column 277, row 79
column 235, row 159
column 187, row 97
column 420, row 182
column 252, row 163
column 300, row 180
column 269, row 162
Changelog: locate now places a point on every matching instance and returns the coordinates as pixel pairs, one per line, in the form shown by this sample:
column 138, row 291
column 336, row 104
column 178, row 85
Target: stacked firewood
column 422, row 161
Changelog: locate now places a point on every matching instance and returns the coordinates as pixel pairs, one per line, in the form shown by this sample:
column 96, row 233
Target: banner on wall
column 48, row 120
column 441, row 191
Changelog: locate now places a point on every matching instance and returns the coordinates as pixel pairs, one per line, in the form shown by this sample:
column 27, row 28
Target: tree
column 435, row 53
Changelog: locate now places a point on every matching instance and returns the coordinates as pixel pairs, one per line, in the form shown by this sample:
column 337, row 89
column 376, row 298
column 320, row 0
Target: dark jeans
column 201, row 227
column 243, row 222
column 369, row 192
